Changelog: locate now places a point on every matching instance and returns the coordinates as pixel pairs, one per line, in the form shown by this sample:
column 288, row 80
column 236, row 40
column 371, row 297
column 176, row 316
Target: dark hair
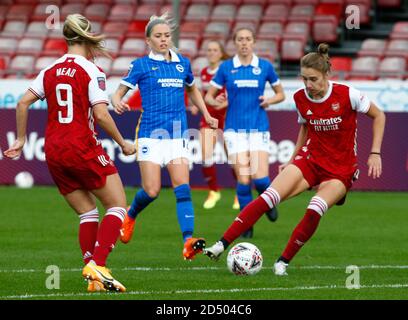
column 318, row 60
column 243, row 28
column 225, row 55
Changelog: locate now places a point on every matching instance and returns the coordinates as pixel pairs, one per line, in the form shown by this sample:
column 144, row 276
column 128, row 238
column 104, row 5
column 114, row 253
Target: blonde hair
column 163, row 19
column 78, row 29
column 319, row 60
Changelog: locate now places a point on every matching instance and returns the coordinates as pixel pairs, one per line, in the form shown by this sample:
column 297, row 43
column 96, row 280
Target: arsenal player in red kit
column 74, row 88
column 324, row 156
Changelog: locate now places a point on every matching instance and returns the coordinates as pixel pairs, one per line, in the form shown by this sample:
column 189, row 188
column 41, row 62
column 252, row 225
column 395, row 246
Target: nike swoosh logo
column 155, row 68
column 188, row 216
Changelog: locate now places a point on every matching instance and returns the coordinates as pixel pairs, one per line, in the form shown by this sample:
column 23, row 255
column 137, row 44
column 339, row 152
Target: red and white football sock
column 306, row 228
column 210, row 176
column 108, row 234
column 88, row 229
column 251, row 213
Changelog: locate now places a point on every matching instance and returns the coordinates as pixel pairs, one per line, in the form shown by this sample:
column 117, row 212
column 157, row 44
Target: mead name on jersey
column 326, row 124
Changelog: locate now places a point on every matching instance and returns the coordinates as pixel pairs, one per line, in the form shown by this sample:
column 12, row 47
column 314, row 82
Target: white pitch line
column 147, row 269
column 204, row 291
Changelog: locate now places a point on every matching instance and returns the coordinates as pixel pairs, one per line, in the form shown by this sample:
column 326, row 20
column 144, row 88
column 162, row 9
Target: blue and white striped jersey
column 245, row 84
column 161, row 84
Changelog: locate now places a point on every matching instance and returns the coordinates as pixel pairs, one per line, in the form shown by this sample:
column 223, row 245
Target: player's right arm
column 117, row 103
column 216, row 84
column 105, row 121
column 21, row 118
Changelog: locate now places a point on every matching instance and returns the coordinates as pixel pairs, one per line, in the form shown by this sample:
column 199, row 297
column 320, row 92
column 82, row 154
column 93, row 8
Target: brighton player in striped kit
column 75, row 92
column 246, row 131
column 324, row 157
column 162, row 76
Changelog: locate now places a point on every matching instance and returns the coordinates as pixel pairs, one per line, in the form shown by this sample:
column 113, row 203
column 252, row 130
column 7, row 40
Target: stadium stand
column 285, row 30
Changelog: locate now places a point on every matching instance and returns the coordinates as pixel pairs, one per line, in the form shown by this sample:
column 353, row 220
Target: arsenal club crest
column 335, row 106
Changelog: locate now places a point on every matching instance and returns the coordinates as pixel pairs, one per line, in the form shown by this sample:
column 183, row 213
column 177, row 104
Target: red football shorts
column 89, row 175
column 314, row 174
column 217, row 114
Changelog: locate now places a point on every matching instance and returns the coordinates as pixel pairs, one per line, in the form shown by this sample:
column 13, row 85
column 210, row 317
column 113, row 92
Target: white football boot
column 279, row 268
column 214, row 252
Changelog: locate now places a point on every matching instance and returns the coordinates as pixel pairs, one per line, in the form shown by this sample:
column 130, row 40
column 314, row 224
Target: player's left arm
column 273, row 78
column 197, row 99
column 374, row 159
column 21, row 118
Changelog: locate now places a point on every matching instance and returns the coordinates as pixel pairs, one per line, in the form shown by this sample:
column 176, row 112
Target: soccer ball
column 244, row 259
column 24, row 180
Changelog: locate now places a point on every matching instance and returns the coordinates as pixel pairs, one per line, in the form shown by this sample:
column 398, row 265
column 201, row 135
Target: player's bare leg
column 151, row 184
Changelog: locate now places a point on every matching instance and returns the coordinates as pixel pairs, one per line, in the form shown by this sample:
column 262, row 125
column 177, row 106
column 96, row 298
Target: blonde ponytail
column 78, row 29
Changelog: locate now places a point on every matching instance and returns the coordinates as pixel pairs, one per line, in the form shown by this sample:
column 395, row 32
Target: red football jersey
column 72, row 85
column 332, row 127
column 206, row 76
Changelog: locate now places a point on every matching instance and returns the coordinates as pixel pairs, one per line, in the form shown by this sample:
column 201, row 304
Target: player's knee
column 152, row 191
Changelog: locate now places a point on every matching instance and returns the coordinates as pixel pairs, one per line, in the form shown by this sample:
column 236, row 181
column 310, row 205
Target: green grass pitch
column 38, row 229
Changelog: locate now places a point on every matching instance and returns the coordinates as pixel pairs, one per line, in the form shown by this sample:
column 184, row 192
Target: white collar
column 254, row 61
column 326, row 96
column 160, row 57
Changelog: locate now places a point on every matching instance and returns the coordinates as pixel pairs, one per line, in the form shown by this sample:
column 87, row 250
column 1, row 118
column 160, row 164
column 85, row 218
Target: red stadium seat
column 133, row 47
column 115, row 28
column 55, row 34
column 121, row 12
column 330, row 9
column 136, row 28
column 37, row 29
column 199, row 64
column 8, row 46
column 72, row 8
column 292, row 48
column 249, row 12
column 30, row 46
column 113, row 46
column 104, row 63
column 325, row 29
column 340, row 67
column 275, row 12
column 393, row 67
column 267, row 48
column 364, row 68
column 297, row 28
column 145, row 11
column 224, row 12
column 192, row 28
column 97, row 11
column 121, row 65
column 40, row 12
column 43, row 62
column 397, row 48
column 268, row 29
column 14, row 29
column 188, row 47
column 400, row 30
column 21, row 65
column 312, row 2
column 20, row 12
column 373, row 48
column 217, row 30
column 198, row 12
column 260, row 2
column 389, row 3
column 55, row 47
column 302, row 10
column 285, row 2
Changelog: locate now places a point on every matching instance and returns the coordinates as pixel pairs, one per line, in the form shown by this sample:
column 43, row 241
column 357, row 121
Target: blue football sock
column 262, row 184
column 244, row 194
column 141, row 201
column 185, row 210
